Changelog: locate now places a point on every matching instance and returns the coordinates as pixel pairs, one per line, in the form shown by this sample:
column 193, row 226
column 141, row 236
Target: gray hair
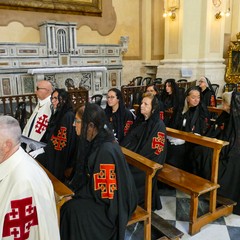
column 227, row 97
column 10, row 129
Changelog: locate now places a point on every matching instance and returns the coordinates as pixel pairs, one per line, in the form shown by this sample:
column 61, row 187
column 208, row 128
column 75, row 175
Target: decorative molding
column 92, row 7
column 59, row 57
column 32, row 19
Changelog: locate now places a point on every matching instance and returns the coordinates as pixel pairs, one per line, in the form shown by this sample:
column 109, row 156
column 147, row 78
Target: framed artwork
column 113, row 79
column 233, row 66
column 6, row 86
column 80, row 7
column 27, row 84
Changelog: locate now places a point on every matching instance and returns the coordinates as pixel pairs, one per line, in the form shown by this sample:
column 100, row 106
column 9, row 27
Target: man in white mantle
column 27, row 206
column 38, row 122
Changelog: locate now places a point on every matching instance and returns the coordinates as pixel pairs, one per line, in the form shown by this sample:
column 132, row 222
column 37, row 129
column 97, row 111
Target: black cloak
column 142, row 139
column 106, row 196
column 61, row 144
column 229, row 159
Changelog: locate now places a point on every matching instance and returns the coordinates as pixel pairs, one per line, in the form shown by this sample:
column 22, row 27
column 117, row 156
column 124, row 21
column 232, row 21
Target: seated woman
column 228, row 129
column 119, row 116
column 105, row 196
column 153, row 89
column 147, row 138
column 60, row 135
column 195, row 115
column 195, row 119
column 207, row 92
column 172, row 100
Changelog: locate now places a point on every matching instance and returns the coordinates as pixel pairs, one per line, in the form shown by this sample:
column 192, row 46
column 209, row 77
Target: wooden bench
column 195, row 185
column 61, row 191
column 216, row 110
column 150, row 168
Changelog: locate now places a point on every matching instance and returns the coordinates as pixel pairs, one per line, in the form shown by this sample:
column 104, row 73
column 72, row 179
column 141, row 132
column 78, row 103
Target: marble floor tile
column 176, row 211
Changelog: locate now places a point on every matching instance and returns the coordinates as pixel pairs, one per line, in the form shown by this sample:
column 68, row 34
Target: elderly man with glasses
column 38, row 122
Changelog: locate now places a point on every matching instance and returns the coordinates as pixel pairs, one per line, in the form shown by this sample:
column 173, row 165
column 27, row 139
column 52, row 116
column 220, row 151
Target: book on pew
column 31, row 144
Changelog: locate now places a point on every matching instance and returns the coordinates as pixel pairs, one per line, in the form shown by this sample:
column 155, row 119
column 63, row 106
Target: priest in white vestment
column 27, row 206
column 38, row 122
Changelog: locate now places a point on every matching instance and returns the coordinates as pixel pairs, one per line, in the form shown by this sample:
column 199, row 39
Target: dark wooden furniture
column 8, row 104
column 146, row 81
column 228, row 87
column 137, row 81
column 182, row 80
column 215, row 88
column 97, row 98
column 196, row 186
column 61, row 191
column 216, row 110
column 129, row 92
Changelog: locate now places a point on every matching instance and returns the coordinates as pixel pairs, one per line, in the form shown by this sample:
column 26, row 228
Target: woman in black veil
column 172, row 99
column 105, row 194
column 147, row 137
column 208, row 94
column 229, row 159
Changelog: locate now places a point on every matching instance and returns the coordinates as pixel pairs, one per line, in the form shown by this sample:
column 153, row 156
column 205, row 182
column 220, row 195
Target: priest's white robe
column 27, row 202
column 38, row 120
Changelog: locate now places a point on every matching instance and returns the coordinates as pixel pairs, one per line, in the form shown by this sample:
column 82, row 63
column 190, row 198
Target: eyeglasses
column 112, row 97
column 77, row 121
column 38, row 88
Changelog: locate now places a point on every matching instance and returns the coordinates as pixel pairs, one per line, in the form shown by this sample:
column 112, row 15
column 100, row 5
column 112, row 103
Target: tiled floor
column 176, row 211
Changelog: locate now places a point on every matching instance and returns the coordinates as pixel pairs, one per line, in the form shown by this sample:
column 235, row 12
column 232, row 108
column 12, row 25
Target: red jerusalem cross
column 127, row 126
column 60, row 140
column 41, row 123
column 22, row 217
column 105, row 180
column 158, row 143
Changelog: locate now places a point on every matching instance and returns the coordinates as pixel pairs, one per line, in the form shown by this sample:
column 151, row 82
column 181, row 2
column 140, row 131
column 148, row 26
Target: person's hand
column 35, row 153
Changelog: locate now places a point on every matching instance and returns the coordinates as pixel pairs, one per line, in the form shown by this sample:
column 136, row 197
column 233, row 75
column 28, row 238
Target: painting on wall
column 80, row 7
column 233, row 66
column 27, row 84
column 113, row 78
column 6, row 87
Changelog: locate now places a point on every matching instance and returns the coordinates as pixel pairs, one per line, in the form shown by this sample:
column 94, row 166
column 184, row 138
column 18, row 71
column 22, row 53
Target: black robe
column 195, row 120
column 61, row 144
column 229, row 159
column 120, row 121
column 173, row 103
column 147, row 138
column 209, row 98
column 98, row 211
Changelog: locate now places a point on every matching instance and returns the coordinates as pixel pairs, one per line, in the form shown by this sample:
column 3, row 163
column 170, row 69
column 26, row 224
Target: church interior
column 103, row 44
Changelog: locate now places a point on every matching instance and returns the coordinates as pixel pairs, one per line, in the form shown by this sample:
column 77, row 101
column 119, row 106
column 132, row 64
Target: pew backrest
column 213, row 143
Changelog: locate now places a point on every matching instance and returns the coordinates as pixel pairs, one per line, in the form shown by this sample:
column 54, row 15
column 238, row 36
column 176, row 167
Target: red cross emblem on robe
column 18, row 222
column 41, row 123
column 127, row 126
column 158, row 143
column 60, row 140
column 106, row 180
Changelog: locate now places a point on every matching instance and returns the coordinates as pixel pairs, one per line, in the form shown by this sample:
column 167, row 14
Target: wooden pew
column 216, row 110
column 196, row 186
column 61, row 190
column 150, row 168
